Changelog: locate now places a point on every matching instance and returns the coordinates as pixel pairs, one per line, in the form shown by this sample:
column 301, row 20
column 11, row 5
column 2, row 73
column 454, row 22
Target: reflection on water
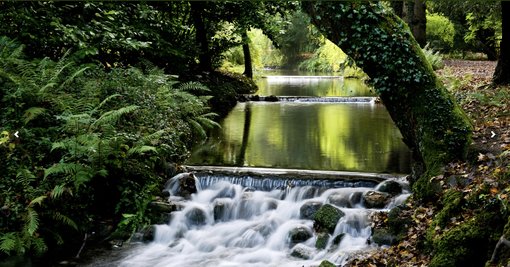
column 311, row 86
column 327, row 136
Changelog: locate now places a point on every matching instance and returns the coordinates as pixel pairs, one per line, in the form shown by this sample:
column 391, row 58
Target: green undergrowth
column 83, row 150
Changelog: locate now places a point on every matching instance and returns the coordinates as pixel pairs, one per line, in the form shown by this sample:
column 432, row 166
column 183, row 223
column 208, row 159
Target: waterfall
column 241, row 221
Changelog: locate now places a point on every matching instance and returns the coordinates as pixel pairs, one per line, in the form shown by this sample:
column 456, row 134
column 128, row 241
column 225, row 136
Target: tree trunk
column 420, row 22
column 248, row 69
column 502, row 72
column 204, row 56
column 398, row 8
column 409, row 13
column 432, row 125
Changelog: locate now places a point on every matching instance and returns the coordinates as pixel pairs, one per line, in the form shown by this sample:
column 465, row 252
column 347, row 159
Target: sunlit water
column 228, row 225
column 321, row 136
column 294, row 85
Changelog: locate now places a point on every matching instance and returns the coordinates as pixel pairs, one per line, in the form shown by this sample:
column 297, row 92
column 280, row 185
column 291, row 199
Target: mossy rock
column 301, row 251
column 322, row 241
column 397, row 223
column 299, row 234
column 308, row 209
column 391, row 187
column 326, row 263
column 326, row 218
column 383, row 237
column 468, row 244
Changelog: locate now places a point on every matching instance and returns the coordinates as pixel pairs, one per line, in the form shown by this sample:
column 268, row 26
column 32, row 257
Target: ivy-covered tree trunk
column 502, row 72
column 433, row 126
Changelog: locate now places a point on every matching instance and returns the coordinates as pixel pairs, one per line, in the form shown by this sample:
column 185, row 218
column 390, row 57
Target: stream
column 262, row 217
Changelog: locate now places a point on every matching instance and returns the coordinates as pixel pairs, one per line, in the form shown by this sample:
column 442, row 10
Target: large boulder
column 182, row 185
column 326, row 218
column 308, row 209
column 299, row 234
column 391, row 187
column 375, row 199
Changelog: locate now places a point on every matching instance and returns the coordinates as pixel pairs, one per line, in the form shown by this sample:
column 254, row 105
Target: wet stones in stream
column 326, row 218
column 299, row 234
column 308, row 209
column 391, row 187
column 196, row 217
column 376, row 200
column 302, row 251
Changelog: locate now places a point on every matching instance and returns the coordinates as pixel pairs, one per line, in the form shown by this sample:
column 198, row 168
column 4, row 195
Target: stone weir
column 313, row 99
column 269, row 178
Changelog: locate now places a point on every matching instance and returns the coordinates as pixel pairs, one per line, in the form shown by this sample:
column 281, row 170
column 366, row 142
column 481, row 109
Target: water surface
column 320, row 136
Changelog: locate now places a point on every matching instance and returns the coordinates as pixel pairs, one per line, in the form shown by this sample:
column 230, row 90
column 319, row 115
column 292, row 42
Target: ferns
column 82, row 126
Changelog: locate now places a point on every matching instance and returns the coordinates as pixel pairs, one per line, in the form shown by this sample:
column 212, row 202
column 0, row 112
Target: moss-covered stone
column 468, row 244
column 326, row 263
column 383, row 236
column 322, row 241
column 326, row 218
column 398, row 224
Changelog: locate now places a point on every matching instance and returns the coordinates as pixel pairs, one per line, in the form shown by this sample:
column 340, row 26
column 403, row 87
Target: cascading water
column 226, row 224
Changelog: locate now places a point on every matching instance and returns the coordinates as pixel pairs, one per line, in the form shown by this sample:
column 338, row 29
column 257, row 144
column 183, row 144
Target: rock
column 182, row 184
column 271, row 98
column 322, row 241
column 166, row 207
column 355, row 198
column 391, row 187
column 308, row 209
column 301, row 251
column 377, row 200
column 339, row 200
column 148, row 233
column 221, row 209
column 299, row 234
column 326, row 218
column 196, row 216
column 326, row 263
column 382, row 236
column 338, row 239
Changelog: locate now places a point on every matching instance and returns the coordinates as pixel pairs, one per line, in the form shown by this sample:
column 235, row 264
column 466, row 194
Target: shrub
column 440, row 32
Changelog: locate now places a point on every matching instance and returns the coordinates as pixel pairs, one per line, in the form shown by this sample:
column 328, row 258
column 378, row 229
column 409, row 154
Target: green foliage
column 83, row 145
column 435, row 59
column 440, row 32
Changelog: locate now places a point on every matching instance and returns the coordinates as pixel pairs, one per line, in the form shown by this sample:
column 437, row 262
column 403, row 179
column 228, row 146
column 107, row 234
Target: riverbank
column 463, row 226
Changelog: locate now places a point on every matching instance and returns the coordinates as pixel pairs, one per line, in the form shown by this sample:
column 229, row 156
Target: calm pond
column 303, row 135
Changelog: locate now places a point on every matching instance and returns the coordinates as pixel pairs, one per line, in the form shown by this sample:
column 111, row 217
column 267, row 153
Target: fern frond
column 193, row 87
column 37, row 200
column 207, row 123
column 58, row 191
column 140, row 150
column 39, row 246
column 106, row 100
column 82, row 176
column 57, row 216
column 153, row 136
column 113, row 116
column 197, row 128
column 8, row 242
column 32, row 221
column 32, row 113
column 71, row 77
column 62, row 167
column 25, row 175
